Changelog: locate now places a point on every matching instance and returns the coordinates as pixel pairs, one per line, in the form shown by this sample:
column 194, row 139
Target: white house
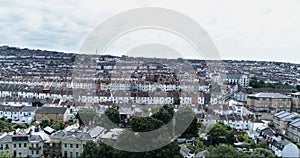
column 26, row 114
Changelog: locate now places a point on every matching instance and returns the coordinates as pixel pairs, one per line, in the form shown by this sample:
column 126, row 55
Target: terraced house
column 22, row 145
column 288, row 124
column 295, row 102
column 53, row 113
column 269, row 102
column 283, row 119
column 66, row 144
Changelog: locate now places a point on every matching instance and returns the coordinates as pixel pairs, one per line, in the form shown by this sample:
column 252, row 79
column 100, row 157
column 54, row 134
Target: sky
column 244, row 30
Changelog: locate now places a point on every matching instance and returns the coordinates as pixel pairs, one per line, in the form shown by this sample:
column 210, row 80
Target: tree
column 252, row 144
column 4, row 154
column 45, row 122
column 180, row 60
column 91, row 149
column 240, row 138
column 16, row 126
column 5, row 126
column 138, row 124
column 123, row 57
column 253, row 82
column 145, row 124
column 262, row 153
column 298, row 87
column 270, row 85
column 165, row 114
column 110, row 119
column 225, row 151
column 85, row 115
column 262, row 145
column 220, row 133
column 192, row 130
column 102, row 150
column 261, row 84
column 114, row 115
column 58, row 125
column 176, row 101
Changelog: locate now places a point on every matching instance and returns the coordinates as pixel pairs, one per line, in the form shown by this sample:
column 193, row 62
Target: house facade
column 53, row 113
column 22, row 145
column 295, row 102
column 269, row 102
column 66, row 144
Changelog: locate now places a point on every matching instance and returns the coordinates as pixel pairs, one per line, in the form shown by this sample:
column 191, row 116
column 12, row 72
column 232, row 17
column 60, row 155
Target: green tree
column 252, row 144
column 4, row 154
column 253, row 82
column 180, row 60
column 240, row 138
column 45, row 122
column 176, row 101
column 123, row 57
column 58, row 125
column 5, row 126
column 113, row 114
column 298, row 87
column 270, row 85
column 91, row 149
column 165, row 114
column 220, row 134
column 225, row 151
column 145, row 124
column 102, row 150
column 85, row 115
column 262, row 153
column 262, row 145
column 261, row 84
column 192, row 130
column 138, row 124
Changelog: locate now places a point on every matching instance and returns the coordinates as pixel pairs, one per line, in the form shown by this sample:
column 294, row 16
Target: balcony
column 35, row 148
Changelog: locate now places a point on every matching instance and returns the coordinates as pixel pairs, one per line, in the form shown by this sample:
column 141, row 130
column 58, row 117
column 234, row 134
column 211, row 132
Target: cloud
column 257, row 30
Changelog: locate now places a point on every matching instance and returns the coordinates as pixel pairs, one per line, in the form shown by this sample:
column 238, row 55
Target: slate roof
column 5, row 139
column 64, row 134
column 28, row 109
column 269, row 95
column 232, row 76
column 9, row 108
column 94, row 132
column 32, row 138
column 51, row 110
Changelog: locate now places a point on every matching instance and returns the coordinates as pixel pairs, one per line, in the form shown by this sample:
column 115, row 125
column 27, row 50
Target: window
column 71, row 145
column 71, row 154
column 77, row 145
column 15, row 145
column 25, row 145
column 66, row 145
column 32, row 152
column 37, row 145
column 77, row 154
column 37, row 152
column 20, row 145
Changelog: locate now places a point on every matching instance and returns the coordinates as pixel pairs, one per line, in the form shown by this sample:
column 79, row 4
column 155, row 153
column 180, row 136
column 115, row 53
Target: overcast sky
column 251, row 30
